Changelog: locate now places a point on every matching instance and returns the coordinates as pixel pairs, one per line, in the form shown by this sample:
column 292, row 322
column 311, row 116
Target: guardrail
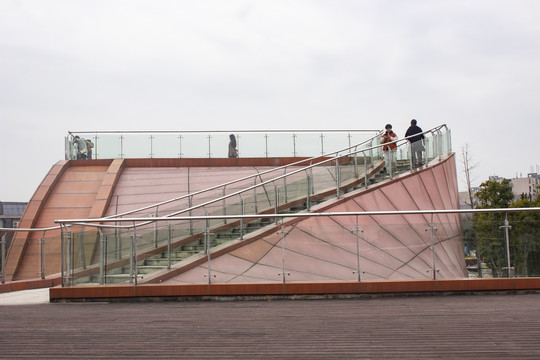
column 213, row 144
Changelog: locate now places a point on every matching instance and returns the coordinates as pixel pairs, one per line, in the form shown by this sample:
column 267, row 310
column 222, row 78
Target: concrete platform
column 428, row 327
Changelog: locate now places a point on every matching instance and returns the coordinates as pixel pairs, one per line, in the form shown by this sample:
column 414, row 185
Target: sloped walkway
column 441, row 327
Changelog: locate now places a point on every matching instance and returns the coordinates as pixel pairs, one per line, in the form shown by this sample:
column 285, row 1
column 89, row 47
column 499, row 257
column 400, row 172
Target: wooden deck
column 428, row 327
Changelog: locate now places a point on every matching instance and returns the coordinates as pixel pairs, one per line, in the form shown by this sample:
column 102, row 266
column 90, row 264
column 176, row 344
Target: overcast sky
column 76, row 65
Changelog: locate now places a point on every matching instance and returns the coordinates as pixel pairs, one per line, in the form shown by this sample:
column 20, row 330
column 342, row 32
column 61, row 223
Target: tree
column 468, row 167
column 491, row 240
column 525, row 239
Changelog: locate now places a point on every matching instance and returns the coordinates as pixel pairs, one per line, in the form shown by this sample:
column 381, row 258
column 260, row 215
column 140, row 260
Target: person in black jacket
column 417, row 145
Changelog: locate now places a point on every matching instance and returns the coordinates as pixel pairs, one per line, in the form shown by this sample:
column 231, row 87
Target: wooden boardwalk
column 427, row 327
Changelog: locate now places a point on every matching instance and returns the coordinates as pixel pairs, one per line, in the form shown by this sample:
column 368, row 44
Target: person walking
column 233, row 151
column 417, row 146
column 389, row 149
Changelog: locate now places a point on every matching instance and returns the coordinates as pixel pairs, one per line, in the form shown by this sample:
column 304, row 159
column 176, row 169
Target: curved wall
column 324, row 249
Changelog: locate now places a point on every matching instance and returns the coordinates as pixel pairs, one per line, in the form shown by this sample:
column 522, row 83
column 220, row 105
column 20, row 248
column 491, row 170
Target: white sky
column 72, row 65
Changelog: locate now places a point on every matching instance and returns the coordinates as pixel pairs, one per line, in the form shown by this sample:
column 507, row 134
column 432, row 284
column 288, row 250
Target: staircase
column 184, row 248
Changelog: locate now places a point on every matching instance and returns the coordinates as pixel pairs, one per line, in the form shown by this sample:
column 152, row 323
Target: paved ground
column 438, row 327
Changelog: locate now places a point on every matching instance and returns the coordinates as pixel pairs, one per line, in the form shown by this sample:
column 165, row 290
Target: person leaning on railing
column 416, row 143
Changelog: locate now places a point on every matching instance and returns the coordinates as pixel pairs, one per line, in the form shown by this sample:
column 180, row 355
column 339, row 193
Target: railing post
column 224, row 204
column 266, row 144
column 135, row 269
column 169, row 235
column 83, row 250
column 308, row 188
column 294, row 144
column 255, row 195
column 356, row 174
column 242, row 219
column 3, row 276
column 285, row 199
column 322, row 144
column 433, row 229
column 101, row 258
column 358, row 230
column 42, row 246
column 62, row 255
column 337, row 175
column 68, row 257
column 190, row 204
column 366, row 170
column 209, row 147
column 156, row 229
column 151, row 146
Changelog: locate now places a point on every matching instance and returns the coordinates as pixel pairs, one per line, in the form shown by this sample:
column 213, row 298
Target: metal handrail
column 433, row 130
column 257, row 175
column 400, row 142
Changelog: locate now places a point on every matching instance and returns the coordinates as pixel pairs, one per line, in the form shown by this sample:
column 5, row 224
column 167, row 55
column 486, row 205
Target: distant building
column 10, row 214
column 526, row 186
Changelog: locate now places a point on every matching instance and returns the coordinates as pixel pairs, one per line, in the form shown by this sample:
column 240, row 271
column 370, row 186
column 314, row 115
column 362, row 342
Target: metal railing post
column 68, row 257
column 42, row 246
column 156, row 229
column 101, row 257
column 169, row 235
column 358, row 230
column 224, row 204
column 62, row 255
column 83, row 250
column 135, row 268
column 242, row 219
column 433, row 229
column 3, row 276
column 308, row 188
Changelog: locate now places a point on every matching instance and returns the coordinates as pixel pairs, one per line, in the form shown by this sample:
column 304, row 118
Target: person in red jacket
column 389, row 149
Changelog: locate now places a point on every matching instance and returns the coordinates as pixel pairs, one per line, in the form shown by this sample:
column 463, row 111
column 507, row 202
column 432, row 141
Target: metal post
column 355, row 163
column 224, row 204
column 209, row 147
column 285, row 185
column 432, row 228
column 180, row 146
column 242, row 219
column 68, row 257
column 266, row 144
column 121, row 146
column 283, row 252
column 255, row 194
column 308, row 186
column 322, row 144
column 337, row 175
column 506, row 227
column 135, row 269
column 83, row 250
column 294, row 144
column 151, row 146
column 62, row 254
column 42, row 256
column 365, row 171
column 207, row 247
column 358, row 230
column 156, row 229
column 190, row 204
column 169, row 235
column 4, row 258
column 101, row 257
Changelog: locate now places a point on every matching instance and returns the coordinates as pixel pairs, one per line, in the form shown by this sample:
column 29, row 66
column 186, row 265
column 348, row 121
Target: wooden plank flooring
column 430, row 327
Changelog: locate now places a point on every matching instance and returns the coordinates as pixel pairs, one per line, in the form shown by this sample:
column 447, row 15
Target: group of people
column 83, row 148
column 416, row 139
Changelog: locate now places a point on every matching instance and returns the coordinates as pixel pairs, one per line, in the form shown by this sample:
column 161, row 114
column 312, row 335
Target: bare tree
column 468, row 167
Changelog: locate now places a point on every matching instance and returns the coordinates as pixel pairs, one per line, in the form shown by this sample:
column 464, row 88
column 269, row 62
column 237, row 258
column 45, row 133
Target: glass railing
column 374, row 250
column 214, row 144
column 323, row 247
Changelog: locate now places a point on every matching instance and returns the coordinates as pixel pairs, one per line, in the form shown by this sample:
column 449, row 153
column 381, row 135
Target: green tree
column 525, row 237
column 491, row 239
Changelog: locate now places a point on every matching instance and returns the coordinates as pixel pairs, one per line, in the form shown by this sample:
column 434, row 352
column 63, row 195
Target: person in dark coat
column 417, row 146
